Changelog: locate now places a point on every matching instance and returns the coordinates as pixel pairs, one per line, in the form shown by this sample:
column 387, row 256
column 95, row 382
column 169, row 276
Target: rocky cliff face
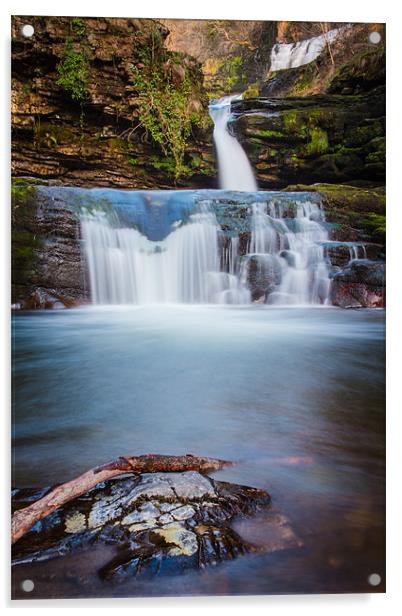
column 47, row 266
column 94, row 135
column 325, row 138
column 351, row 63
column 75, row 112
column 234, row 55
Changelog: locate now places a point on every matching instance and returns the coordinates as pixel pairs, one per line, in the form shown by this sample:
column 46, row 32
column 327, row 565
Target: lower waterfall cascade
column 198, row 262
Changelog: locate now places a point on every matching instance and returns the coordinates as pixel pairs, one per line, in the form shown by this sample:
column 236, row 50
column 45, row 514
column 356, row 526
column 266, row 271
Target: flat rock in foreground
column 157, row 522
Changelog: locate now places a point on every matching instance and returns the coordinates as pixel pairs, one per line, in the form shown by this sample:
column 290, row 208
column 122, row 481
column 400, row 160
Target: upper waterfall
column 292, row 55
column 235, row 172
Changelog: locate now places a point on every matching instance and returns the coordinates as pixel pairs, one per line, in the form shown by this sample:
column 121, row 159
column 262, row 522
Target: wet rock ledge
column 157, row 522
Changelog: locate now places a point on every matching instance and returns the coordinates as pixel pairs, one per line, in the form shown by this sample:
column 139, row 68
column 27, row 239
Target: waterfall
column 169, row 246
column 125, row 267
column 283, row 261
column 292, row 55
column 235, row 172
column 285, row 252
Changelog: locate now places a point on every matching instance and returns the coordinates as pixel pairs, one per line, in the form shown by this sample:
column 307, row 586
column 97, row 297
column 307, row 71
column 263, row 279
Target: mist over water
column 294, row 395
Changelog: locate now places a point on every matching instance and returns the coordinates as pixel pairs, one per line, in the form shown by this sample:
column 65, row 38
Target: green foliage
column 165, row 89
column 231, row 71
column 78, row 26
column 73, row 72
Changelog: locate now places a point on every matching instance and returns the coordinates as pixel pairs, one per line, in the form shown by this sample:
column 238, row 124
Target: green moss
column 23, row 237
column 253, row 91
column 271, row 134
column 168, row 164
column 353, row 208
column 290, row 120
column 197, row 164
column 117, row 145
column 318, row 141
column 364, row 70
column 306, row 80
column 51, row 135
column 360, row 135
column 378, row 223
column 377, row 154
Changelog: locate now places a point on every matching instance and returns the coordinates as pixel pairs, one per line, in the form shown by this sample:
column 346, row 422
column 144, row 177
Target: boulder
column 360, row 285
column 159, row 522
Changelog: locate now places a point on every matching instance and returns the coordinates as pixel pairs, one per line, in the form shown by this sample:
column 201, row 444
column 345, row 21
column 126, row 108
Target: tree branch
column 24, row 519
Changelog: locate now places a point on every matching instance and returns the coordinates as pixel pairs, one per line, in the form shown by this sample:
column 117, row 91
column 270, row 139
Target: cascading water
column 125, row 267
column 201, row 261
column 285, row 259
column 181, row 248
column 235, row 172
column 292, row 55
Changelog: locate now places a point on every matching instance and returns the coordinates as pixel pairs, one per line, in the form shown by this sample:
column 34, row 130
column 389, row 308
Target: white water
column 292, row 55
column 235, row 172
column 194, row 264
column 282, row 264
column 288, row 254
column 125, row 267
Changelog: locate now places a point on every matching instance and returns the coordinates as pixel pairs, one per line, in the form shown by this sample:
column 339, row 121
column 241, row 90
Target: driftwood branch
column 24, row 519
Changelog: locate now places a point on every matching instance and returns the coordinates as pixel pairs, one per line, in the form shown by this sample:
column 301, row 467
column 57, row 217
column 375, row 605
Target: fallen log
column 24, row 519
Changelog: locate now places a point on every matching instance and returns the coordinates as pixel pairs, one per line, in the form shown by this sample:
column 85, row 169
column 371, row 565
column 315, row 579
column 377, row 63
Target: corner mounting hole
column 27, row 585
column 27, row 30
column 374, row 37
column 374, row 579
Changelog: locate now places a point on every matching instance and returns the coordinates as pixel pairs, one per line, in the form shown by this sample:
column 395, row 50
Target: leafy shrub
column 165, row 89
column 73, row 72
column 78, row 26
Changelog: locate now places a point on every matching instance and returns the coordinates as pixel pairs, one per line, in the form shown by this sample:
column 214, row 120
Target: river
column 294, row 395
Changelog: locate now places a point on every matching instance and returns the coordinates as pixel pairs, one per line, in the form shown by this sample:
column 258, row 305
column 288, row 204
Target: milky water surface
column 294, row 395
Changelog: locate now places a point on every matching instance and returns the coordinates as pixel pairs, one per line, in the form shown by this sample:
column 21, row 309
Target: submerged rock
column 158, row 522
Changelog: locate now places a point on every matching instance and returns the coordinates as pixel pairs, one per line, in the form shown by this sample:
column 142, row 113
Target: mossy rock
column 358, row 212
column 24, row 240
column 362, row 73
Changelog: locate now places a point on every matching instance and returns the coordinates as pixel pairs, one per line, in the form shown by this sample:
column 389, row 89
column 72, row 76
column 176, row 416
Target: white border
column 292, row 10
